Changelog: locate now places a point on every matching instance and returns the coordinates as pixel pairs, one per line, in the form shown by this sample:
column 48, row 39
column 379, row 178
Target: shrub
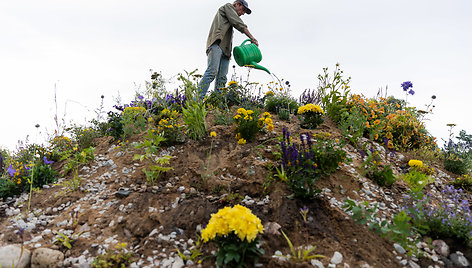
column 134, row 120
column 458, row 155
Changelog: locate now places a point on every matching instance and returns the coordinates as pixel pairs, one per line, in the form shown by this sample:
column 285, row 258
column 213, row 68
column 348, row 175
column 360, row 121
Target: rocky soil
column 115, row 204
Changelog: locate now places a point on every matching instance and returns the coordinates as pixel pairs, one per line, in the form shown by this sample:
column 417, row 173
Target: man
column 219, row 43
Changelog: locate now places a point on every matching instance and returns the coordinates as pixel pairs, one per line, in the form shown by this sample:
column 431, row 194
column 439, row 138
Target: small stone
column 399, row 248
column 337, row 258
column 459, row 260
column 46, row 257
column 413, row 264
column 441, row 248
column 317, row 264
column 122, row 194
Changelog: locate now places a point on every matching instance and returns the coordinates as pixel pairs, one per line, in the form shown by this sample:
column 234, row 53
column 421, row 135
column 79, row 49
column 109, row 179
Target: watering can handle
column 246, row 41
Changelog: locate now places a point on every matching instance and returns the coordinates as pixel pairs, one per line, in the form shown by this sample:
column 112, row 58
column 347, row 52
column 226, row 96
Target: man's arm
column 254, row 40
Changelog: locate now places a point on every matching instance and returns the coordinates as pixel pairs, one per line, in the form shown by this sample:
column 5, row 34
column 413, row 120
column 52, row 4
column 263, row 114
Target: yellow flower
column 241, row 141
column 266, row 114
column 269, row 93
column 238, row 220
column 213, row 134
column 242, row 111
column 270, row 127
column 230, row 83
column 415, row 163
column 237, row 117
column 238, row 136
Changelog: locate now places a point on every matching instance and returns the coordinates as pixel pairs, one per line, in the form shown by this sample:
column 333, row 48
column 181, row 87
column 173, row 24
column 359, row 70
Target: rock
column 459, row 260
column 337, row 258
column 178, row 263
column 317, row 264
column 122, row 194
column 272, row 228
column 10, row 255
column 413, row 264
column 441, row 248
column 47, row 258
column 399, row 248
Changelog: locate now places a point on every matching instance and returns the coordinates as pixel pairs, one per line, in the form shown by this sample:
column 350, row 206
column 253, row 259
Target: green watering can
column 248, row 55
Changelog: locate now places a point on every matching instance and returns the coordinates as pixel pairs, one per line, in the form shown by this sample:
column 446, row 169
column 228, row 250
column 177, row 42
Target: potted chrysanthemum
column 235, row 231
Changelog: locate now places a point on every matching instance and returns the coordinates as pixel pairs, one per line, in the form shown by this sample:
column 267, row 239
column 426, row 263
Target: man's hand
column 255, row 41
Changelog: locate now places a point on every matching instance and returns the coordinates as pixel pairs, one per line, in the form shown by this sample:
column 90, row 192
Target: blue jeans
column 217, row 68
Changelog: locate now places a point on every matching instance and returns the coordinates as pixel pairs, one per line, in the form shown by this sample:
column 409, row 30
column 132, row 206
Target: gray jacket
column 221, row 30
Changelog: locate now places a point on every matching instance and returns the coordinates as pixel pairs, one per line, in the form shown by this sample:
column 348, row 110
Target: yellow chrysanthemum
column 238, row 220
column 415, row 163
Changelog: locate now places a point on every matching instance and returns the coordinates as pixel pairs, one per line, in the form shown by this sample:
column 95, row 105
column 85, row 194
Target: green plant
column 66, row 240
column 247, row 124
column 374, row 169
column 284, row 114
column 463, row 182
column 417, row 180
column 352, row 125
column 334, row 102
column 119, row 257
column 195, row 250
column 300, row 254
column 307, row 162
column 223, row 116
column 134, row 120
column 76, row 159
column 168, row 125
column 400, row 230
column 83, row 137
column 151, row 146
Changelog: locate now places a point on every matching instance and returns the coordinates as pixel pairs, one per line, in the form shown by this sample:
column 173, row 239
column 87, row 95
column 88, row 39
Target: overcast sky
column 87, row 48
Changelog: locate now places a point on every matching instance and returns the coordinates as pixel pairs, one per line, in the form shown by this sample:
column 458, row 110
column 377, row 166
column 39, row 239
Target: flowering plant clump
column 247, row 124
column 458, row 155
column 168, row 125
column 449, row 216
column 374, row 169
column 312, row 115
column 235, row 230
column 386, row 119
column 305, row 163
column 464, row 182
column 418, row 176
column 134, row 120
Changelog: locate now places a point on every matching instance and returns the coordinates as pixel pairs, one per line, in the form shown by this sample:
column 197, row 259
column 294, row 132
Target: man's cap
column 248, row 11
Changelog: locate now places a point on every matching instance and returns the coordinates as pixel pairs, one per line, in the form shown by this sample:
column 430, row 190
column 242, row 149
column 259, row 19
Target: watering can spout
column 257, row 66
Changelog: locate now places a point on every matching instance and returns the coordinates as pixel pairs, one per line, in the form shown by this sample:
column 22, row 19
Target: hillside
column 115, row 203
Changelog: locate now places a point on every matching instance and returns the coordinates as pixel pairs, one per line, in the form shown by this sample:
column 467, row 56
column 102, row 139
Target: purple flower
column 411, row 92
column 140, row 97
column 46, row 161
column 406, row 85
column 11, row 171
